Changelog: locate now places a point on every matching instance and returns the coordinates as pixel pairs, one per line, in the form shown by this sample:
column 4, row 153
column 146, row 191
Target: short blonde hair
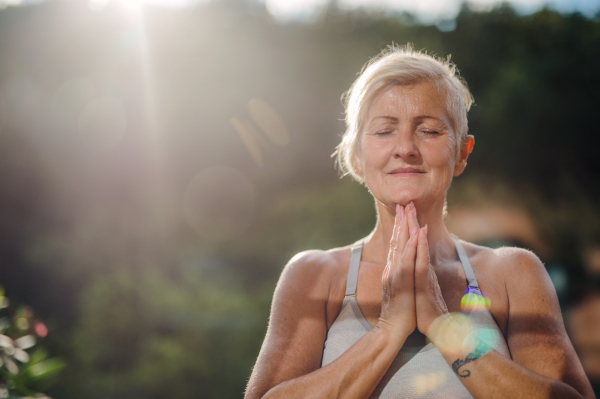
column 399, row 66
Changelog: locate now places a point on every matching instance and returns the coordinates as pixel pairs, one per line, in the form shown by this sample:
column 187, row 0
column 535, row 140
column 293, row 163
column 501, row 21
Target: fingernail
column 401, row 213
column 426, row 229
column 414, row 231
column 397, row 207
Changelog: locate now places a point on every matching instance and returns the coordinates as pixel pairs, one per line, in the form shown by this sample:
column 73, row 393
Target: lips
column 402, row 171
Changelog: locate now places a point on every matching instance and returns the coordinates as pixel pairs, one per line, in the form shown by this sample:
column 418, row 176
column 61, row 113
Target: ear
column 463, row 154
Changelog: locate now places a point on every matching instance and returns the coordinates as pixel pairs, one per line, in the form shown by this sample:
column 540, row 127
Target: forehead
column 407, row 101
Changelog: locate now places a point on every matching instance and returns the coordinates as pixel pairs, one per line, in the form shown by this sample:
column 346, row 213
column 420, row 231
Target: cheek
column 441, row 159
column 440, row 156
column 450, row 147
column 373, row 153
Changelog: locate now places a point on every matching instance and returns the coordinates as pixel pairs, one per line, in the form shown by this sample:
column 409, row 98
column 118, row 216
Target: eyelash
column 386, row 132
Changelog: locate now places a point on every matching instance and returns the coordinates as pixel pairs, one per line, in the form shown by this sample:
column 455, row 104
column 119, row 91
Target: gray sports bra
column 419, row 370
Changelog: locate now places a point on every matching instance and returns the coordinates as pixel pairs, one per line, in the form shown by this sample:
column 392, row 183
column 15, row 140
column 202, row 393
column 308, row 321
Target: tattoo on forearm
column 479, row 351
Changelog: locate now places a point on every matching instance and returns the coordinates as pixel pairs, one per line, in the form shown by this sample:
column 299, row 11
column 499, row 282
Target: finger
column 385, row 277
column 413, row 223
column 433, row 282
column 397, row 221
column 394, row 240
column 422, row 264
column 405, row 267
column 410, row 252
column 403, row 234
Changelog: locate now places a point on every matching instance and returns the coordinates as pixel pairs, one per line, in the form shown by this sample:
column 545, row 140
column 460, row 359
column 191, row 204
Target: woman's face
column 408, row 147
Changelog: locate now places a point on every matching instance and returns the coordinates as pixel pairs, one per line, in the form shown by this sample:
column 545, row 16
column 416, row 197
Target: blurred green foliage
column 24, row 370
column 95, row 238
column 151, row 335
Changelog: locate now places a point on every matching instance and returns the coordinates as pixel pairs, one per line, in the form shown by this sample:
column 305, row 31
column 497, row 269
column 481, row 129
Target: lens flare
column 448, row 332
column 424, row 383
column 249, row 136
column 489, row 336
column 474, row 300
column 269, row 121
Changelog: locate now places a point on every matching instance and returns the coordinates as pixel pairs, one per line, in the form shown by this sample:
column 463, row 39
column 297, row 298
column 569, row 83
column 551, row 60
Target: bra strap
column 353, row 269
column 471, row 280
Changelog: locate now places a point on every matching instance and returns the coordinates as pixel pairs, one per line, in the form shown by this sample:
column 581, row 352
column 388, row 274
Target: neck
column 441, row 245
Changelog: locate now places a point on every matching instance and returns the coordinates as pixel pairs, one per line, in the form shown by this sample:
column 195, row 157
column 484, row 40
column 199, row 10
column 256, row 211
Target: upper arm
column 537, row 338
column 297, row 329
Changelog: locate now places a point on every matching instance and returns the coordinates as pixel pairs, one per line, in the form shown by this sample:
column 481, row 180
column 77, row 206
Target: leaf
column 46, row 369
column 38, row 356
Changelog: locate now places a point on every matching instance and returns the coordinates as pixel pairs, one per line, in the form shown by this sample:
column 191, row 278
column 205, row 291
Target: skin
column 410, row 276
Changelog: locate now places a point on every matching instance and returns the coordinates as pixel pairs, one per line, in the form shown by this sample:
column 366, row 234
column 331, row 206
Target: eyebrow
column 429, row 117
column 394, row 119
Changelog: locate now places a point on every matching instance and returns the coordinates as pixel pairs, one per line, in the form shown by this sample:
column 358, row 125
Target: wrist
column 480, row 341
column 448, row 333
column 395, row 336
column 459, row 335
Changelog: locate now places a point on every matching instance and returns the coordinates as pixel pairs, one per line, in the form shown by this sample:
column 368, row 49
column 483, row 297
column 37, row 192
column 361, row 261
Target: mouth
column 408, row 172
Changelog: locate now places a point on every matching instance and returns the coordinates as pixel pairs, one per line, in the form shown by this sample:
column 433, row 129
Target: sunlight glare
column 97, row 5
column 293, row 9
column 134, row 5
column 424, row 383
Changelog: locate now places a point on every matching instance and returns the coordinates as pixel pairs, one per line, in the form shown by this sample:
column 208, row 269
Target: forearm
column 493, row 375
column 487, row 373
column 353, row 375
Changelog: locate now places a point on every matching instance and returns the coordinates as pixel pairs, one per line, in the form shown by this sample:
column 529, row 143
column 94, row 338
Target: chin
column 404, row 198
column 398, row 194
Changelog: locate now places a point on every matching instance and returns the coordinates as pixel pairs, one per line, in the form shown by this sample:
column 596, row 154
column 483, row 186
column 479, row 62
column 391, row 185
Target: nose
column 406, row 147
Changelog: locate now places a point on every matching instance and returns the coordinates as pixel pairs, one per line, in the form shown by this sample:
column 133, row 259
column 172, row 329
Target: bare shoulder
column 316, row 269
column 529, row 292
column 309, row 280
column 508, row 276
column 317, row 260
column 510, row 264
column 513, row 257
column 521, row 268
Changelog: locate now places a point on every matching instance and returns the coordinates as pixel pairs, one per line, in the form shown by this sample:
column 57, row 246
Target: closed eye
column 383, row 133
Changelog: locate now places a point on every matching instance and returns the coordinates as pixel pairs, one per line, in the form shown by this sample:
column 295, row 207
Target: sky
column 427, row 11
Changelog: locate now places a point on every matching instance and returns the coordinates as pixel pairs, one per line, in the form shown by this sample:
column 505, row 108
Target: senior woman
column 351, row 322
